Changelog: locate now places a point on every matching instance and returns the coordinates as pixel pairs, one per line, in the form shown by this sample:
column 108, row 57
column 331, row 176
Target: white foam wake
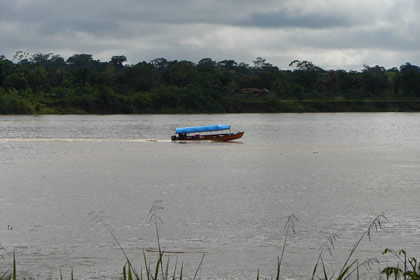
column 79, row 140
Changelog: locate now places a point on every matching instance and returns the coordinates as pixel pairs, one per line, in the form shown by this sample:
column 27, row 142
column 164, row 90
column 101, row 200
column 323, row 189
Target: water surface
column 334, row 172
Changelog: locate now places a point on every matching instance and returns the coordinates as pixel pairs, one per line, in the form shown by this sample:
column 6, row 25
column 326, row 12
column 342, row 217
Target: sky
column 333, row 34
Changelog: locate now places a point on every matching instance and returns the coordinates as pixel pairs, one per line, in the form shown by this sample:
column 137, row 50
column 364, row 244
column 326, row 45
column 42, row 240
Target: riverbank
column 136, row 104
column 331, row 106
column 48, row 84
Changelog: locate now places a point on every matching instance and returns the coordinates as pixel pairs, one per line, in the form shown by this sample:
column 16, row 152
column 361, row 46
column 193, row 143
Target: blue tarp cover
column 203, row 128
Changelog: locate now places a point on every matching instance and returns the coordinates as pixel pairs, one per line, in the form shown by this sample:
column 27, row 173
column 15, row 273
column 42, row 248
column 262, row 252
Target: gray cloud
column 92, row 26
column 331, row 33
column 282, row 19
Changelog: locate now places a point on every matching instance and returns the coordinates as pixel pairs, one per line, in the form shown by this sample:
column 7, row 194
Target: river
column 68, row 181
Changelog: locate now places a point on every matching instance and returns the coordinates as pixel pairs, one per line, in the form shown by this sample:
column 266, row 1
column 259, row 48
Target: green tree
column 15, row 81
column 6, row 67
column 374, row 80
column 182, row 73
column 410, row 79
column 82, row 68
column 307, row 75
column 80, row 60
column 227, row 64
column 393, row 77
column 23, row 59
column 160, row 63
column 118, row 62
column 141, row 77
column 206, row 65
column 21, row 56
column 260, row 63
column 36, row 78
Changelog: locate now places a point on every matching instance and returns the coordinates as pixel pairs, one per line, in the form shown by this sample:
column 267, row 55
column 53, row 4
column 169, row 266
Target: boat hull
column 210, row 137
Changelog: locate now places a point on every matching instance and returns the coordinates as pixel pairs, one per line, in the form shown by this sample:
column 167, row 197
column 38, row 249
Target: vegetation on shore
column 49, row 84
column 407, row 268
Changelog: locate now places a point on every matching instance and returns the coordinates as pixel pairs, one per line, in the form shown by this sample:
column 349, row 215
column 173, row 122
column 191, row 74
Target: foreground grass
column 10, row 275
column 406, row 268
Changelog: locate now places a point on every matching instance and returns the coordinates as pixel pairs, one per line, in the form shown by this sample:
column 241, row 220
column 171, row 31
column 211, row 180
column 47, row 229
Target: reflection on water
column 335, row 172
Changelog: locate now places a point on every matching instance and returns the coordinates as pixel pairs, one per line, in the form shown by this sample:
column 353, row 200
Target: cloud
column 91, row 26
column 282, row 19
column 331, row 33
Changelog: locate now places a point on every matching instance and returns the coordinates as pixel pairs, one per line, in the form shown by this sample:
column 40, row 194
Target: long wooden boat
column 206, row 132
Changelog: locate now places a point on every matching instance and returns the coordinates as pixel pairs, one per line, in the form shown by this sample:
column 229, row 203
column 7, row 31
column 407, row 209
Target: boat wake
column 99, row 140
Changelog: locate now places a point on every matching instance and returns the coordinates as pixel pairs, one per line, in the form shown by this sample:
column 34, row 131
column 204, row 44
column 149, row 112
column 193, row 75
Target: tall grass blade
column 324, row 270
column 314, row 271
column 198, row 268
column 278, row 269
column 124, row 273
column 99, row 219
column 357, row 274
column 151, row 276
column 343, row 275
column 290, row 225
column 3, row 277
column 182, row 268
column 147, row 267
column 176, row 263
column 258, row 274
column 375, row 224
column 14, row 265
column 328, row 244
column 157, row 265
column 367, row 264
column 153, row 215
column 167, row 270
column 130, row 277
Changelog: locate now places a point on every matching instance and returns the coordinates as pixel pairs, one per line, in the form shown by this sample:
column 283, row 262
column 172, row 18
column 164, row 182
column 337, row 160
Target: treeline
column 47, row 83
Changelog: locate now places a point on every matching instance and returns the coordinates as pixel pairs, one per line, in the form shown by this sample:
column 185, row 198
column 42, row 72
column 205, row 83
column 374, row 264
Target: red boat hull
column 212, row 137
column 223, row 137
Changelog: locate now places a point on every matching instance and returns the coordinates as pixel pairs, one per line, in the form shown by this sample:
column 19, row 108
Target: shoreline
column 261, row 106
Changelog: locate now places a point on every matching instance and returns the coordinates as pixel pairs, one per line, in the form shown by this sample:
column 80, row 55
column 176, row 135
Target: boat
column 206, row 132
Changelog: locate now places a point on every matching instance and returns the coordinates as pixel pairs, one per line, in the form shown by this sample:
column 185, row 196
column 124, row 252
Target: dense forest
column 49, row 84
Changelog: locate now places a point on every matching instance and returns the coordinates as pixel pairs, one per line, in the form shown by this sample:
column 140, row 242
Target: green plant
column 10, row 276
column 348, row 267
column 411, row 267
column 159, row 269
column 153, row 271
column 290, row 225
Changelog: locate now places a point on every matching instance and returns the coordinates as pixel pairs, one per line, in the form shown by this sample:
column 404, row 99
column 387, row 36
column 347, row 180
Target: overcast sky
column 333, row 34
